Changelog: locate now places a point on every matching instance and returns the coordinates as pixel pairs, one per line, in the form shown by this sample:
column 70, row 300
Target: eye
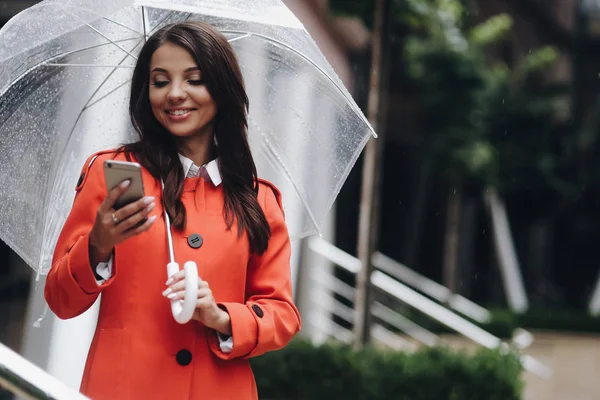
column 196, row 82
column 160, row 84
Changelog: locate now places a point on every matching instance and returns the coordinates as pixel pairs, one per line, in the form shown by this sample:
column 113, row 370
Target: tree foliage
column 483, row 121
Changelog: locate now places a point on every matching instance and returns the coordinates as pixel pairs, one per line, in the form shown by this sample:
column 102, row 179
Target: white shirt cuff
column 104, row 270
column 225, row 343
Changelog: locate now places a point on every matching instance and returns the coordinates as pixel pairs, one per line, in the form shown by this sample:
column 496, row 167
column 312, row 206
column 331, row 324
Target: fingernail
column 150, row 207
column 125, row 183
column 152, row 218
column 172, row 296
column 167, row 292
column 169, row 281
column 148, row 199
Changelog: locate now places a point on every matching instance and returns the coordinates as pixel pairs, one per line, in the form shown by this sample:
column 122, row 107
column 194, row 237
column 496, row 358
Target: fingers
column 113, row 227
column 142, row 228
column 179, row 282
column 134, row 220
column 176, row 277
column 179, row 275
column 178, row 285
column 143, row 205
column 104, row 234
column 205, row 299
column 177, row 290
column 113, row 195
column 202, row 294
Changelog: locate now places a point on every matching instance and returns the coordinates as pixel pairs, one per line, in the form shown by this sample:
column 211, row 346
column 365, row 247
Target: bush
column 503, row 322
column 332, row 371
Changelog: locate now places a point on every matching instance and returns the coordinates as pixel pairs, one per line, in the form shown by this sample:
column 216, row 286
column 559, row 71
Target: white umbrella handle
column 183, row 313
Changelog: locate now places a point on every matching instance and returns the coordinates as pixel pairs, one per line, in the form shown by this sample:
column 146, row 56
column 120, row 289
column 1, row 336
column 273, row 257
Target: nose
column 177, row 93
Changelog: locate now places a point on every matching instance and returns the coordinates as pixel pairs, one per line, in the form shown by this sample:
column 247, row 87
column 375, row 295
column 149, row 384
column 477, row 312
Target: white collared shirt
column 209, row 171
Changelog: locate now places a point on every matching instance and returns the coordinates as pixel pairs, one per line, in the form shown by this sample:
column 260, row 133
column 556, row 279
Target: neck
column 199, row 149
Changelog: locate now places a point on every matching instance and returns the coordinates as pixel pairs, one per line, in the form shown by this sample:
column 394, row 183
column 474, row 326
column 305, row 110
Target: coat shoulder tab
column 266, row 185
column 87, row 165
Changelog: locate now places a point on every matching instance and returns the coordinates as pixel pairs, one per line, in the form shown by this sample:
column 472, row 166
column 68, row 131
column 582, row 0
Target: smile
column 179, row 112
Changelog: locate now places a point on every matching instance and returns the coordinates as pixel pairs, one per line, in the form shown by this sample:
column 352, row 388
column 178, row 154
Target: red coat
column 138, row 350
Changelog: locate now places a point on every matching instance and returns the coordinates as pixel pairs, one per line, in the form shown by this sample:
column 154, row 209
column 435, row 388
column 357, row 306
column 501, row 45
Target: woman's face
column 179, row 98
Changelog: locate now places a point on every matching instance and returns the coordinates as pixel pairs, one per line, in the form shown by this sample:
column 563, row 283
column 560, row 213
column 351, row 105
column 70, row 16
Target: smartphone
column 116, row 172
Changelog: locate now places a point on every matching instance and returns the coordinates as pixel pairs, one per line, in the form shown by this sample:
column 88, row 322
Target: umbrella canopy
column 65, row 69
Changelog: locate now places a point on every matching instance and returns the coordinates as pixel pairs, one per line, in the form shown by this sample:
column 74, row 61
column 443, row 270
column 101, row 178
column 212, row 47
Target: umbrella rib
column 47, row 62
column 110, row 40
column 100, row 33
column 144, row 19
column 288, row 175
column 96, row 91
column 46, row 194
column 59, row 93
column 164, row 19
column 280, row 43
column 88, row 105
column 106, row 95
column 121, row 25
column 239, row 37
column 71, row 133
column 58, row 56
column 70, row 52
column 90, row 65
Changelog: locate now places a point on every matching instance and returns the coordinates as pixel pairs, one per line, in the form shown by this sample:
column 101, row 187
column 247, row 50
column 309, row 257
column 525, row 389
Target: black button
column 80, row 181
column 195, row 240
column 257, row 310
column 184, row 357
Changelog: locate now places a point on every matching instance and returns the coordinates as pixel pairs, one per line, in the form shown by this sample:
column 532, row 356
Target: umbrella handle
column 183, row 313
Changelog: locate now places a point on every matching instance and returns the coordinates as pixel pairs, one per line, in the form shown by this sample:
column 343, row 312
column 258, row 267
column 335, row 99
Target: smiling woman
column 189, row 107
column 179, row 97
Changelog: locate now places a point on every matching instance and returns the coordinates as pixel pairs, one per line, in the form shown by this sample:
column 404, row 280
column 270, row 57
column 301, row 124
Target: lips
column 179, row 111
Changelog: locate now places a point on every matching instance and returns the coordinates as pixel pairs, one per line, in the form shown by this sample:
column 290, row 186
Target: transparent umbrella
column 65, row 69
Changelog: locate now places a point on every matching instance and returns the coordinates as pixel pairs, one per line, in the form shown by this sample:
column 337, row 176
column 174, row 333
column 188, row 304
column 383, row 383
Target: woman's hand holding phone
column 115, row 226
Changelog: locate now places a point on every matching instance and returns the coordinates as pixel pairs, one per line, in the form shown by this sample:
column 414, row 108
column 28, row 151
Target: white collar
column 210, row 170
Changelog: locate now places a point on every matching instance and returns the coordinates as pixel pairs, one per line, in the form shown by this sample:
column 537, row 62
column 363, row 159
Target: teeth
column 179, row 112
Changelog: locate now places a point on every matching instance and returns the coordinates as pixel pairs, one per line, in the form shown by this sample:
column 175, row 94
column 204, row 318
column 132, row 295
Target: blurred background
column 475, row 216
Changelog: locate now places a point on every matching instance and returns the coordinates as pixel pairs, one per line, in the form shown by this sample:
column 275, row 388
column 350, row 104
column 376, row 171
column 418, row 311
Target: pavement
column 574, row 359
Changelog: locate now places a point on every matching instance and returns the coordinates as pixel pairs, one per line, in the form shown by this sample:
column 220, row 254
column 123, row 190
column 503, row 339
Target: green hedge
column 503, row 322
column 303, row 371
column 552, row 319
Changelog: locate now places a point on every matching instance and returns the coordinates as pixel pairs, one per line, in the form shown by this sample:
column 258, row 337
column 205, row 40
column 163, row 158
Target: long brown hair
column 157, row 149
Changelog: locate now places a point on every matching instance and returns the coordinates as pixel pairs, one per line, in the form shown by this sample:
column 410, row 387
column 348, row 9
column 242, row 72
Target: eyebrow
column 191, row 69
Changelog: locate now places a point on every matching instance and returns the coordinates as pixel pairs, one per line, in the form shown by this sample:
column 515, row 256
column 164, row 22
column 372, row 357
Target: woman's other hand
column 113, row 227
column 207, row 311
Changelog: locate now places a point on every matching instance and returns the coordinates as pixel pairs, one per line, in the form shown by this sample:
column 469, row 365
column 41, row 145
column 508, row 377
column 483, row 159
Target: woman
column 189, row 106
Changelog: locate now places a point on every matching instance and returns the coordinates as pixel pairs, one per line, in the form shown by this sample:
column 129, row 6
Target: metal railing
column 27, row 380
column 345, row 313
column 342, row 289
column 401, row 292
column 431, row 288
